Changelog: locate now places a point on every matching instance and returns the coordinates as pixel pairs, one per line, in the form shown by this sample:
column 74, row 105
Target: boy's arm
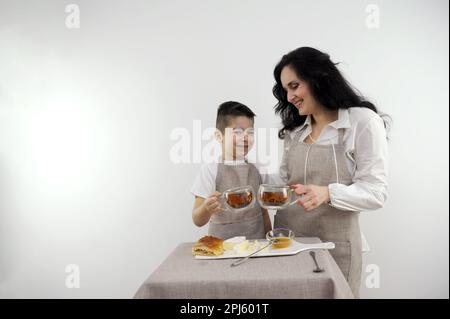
column 266, row 219
column 200, row 215
column 204, row 208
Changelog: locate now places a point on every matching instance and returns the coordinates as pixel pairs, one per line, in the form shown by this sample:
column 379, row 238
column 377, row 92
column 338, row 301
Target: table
column 182, row 276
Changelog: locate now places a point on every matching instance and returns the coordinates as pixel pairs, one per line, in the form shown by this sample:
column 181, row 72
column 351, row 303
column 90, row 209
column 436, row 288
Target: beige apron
column 249, row 222
column 323, row 165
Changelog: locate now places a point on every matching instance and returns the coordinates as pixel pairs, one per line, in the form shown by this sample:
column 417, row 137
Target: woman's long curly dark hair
column 326, row 83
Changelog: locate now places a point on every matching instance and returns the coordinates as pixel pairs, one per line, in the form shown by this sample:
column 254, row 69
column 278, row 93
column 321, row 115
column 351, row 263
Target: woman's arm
column 369, row 188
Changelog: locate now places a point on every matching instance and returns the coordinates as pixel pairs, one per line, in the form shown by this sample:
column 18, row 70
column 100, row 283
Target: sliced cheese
column 241, row 248
column 248, row 246
column 230, row 243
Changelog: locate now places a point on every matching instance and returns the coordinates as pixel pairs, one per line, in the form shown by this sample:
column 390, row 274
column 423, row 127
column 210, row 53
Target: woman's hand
column 212, row 204
column 313, row 195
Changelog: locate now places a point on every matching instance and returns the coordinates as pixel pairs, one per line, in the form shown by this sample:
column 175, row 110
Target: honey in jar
column 281, row 242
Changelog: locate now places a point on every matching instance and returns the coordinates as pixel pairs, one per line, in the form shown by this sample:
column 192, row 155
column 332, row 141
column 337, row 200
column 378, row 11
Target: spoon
column 313, row 255
column 242, row 260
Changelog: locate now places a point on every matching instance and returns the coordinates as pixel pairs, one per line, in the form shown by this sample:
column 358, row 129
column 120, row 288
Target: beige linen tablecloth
column 183, row 276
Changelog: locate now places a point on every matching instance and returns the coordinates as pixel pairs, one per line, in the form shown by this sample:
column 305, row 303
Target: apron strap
column 340, row 142
column 341, row 132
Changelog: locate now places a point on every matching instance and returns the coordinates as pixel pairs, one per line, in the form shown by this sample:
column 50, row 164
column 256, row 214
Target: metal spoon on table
column 313, row 255
column 242, row 260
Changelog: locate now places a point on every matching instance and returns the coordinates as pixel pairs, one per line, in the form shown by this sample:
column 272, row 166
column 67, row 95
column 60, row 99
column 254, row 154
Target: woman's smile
column 298, row 103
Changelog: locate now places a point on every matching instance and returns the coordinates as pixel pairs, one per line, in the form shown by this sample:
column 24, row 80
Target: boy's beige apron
column 323, row 165
column 249, row 223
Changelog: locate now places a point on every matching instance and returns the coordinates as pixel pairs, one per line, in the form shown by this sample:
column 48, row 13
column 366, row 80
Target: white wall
column 86, row 116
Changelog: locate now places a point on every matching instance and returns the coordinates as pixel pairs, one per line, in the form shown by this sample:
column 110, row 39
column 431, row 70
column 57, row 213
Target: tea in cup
column 275, row 196
column 239, row 198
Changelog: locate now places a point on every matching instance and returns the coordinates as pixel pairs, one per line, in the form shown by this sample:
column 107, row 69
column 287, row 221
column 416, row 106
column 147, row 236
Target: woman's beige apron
column 249, row 222
column 323, row 165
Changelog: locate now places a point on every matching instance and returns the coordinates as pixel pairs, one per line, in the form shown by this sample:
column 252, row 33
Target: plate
column 293, row 249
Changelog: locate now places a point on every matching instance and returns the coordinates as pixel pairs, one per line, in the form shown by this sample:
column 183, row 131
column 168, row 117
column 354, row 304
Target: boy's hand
column 212, row 204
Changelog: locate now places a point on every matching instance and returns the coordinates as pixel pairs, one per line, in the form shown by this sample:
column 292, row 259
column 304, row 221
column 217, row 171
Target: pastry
column 208, row 246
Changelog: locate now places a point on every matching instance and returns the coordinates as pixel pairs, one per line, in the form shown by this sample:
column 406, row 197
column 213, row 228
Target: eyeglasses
column 237, row 131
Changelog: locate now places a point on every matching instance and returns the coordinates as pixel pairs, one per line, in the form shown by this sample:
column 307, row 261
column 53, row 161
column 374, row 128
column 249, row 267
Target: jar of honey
column 280, row 237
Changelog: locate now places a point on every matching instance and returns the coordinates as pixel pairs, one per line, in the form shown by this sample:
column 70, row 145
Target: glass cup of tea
column 239, row 198
column 276, row 196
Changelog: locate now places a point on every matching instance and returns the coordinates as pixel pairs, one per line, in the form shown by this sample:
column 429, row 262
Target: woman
column 335, row 155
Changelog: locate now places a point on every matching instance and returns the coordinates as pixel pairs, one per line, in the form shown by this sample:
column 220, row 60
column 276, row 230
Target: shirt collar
column 234, row 162
column 343, row 121
column 231, row 162
column 301, row 127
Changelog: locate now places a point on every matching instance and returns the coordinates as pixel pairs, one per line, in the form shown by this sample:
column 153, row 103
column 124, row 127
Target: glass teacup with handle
column 276, row 196
column 238, row 199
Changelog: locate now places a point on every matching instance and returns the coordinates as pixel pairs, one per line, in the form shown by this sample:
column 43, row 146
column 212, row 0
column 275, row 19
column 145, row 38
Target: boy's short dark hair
column 229, row 110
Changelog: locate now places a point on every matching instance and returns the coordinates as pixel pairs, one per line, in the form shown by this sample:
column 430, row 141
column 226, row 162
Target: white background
column 86, row 116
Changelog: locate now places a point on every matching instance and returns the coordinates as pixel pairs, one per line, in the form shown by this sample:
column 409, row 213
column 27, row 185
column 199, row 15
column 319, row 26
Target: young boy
column 234, row 131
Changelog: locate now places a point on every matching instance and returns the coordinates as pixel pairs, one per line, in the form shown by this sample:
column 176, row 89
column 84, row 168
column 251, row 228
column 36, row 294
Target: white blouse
column 365, row 146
